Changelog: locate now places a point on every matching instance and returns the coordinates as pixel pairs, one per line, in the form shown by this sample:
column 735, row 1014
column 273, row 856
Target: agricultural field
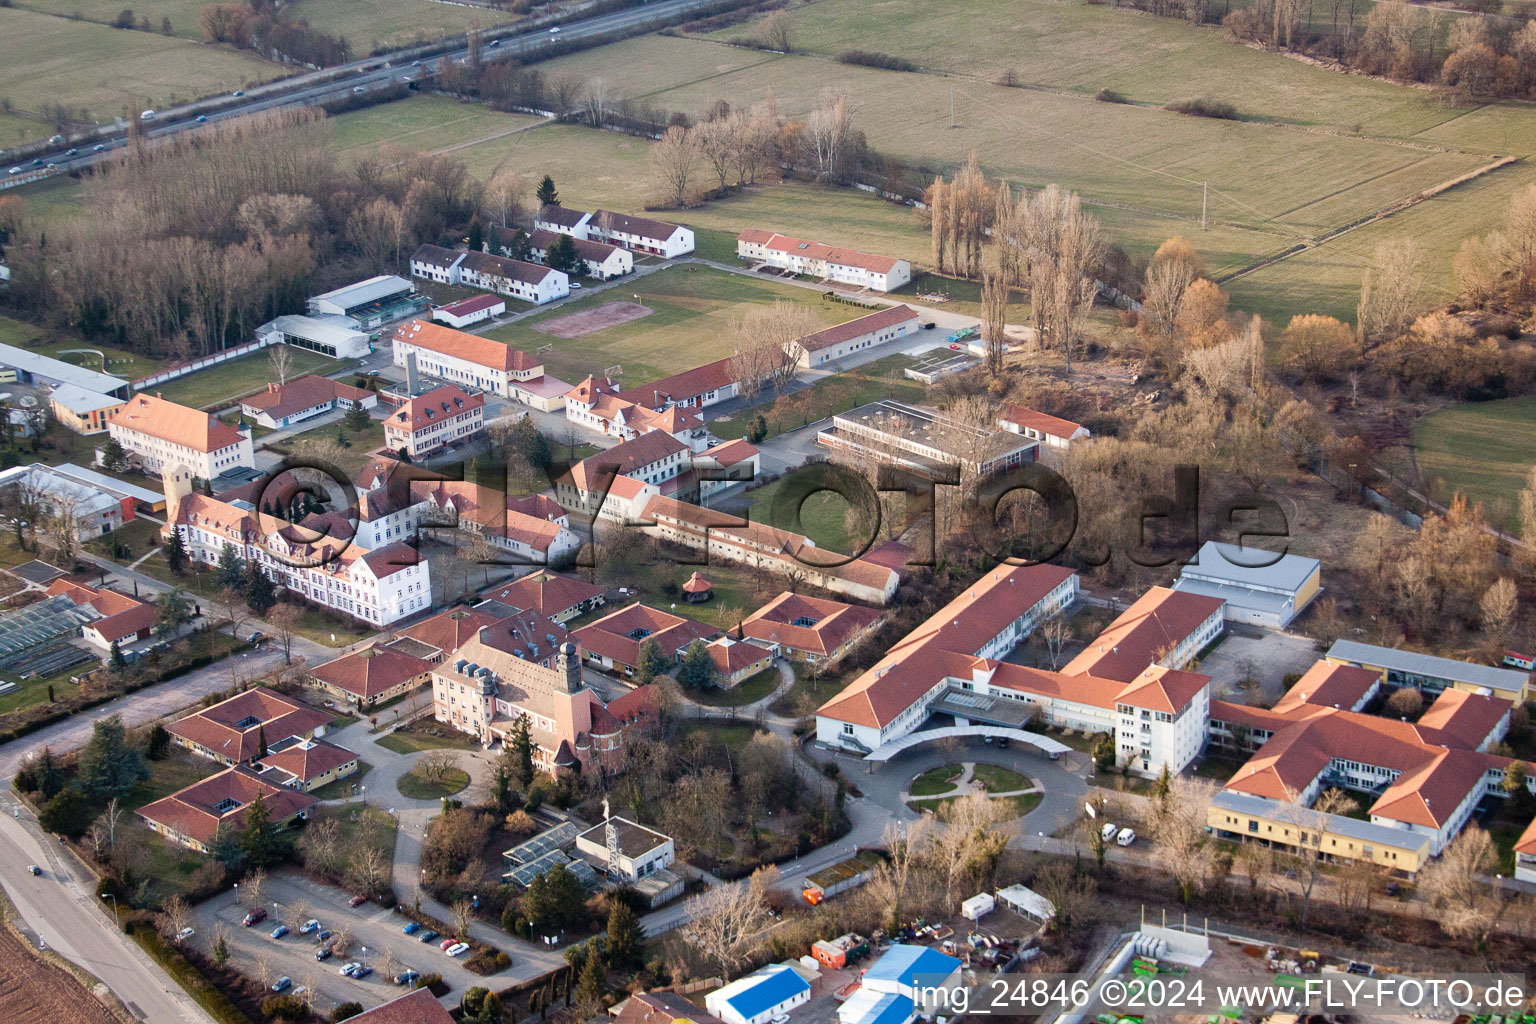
column 424, row 123
column 108, row 72
column 34, row 991
column 369, row 25
column 1481, row 449
column 185, row 23
column 691, row 324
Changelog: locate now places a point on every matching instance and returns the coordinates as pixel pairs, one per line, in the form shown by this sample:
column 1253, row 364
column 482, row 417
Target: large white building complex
column 475, row 362
column 159, row 434
column 828, row 262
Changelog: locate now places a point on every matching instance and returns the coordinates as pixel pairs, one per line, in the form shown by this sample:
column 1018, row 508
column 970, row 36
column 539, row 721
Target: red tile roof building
column 159, row 434
column 831, row 263
column 416, row 1007
column 372, row 675
column 1050, row 431
column 194, row 815
column 443, row 416
column 233, row 730
column 308, row 764
column 737, row 660
column 1163, row 627
column 866, row 332
column 474, row 362
column 123, row 619
column 561, row 598
column 613, row 642
column 810, row 629
column 302, row 398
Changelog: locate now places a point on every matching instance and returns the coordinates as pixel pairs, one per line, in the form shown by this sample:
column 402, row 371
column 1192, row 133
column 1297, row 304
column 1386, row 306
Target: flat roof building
column 924, row 440
column 333, row 335
column 1261, row 588
column 1432, row 674
column 31, row 367
column 373, row 302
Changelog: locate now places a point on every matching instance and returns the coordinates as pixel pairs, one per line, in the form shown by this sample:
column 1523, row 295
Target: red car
column 357, row 901
column 255, row 917
column 447, row 942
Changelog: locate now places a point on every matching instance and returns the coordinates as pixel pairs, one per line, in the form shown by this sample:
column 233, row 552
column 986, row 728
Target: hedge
column 203, row 991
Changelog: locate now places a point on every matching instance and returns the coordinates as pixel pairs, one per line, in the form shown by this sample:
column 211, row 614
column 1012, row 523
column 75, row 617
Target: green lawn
column 1481, row 449
column 343, row 787
column 73, row 349
column 222, row 385
column 423, row 122
column 998, row 779
column 103, row 72
column 412, row 784
column 936, row 780
column 426, row 735
column 183, row 13
column 748, row 691
column 833, row 394
column 733, row 735
column 176, row 771
column 371, row 24
column 694, row 308
column 823, row 516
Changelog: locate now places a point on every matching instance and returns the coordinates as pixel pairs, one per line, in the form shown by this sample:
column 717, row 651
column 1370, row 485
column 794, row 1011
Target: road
column 363, row 76
column 59, row 907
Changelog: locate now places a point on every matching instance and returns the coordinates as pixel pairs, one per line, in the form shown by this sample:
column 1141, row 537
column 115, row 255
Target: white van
column 1108, row 831
column 146, row 115
column 1126, row 837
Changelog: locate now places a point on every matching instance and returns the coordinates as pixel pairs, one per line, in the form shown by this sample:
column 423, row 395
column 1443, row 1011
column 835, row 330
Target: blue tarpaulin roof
column 905, row 964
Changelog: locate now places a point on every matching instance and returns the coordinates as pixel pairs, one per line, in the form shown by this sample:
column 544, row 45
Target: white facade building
column 830, row 263
column 162, row 434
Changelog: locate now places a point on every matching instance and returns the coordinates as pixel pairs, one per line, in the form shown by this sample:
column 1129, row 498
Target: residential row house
column 637, row 234
column 516, row 279
column 833, row 264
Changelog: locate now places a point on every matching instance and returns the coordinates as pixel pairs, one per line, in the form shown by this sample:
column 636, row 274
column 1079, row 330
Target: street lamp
column 116, row 916
column 363, row 790
column 237, row 892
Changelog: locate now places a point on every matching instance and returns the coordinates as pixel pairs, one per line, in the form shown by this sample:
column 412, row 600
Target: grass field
column 425, row 123
column 417, row 786
column 1483, row 450
column 108, row 72
column 694, row 307
column 371, row 24
column 868, row 383
column 183, row 13
column 823, row 516
column 218, row 386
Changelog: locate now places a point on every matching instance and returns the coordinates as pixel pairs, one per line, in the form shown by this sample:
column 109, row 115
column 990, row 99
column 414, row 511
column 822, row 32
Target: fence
column 192, row 366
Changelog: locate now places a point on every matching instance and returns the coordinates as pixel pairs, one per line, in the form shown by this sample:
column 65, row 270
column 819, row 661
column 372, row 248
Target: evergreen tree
column 345, row 1011
column 522, row 751
column 220, row 952
column 172, row 608
column 69, row 813
column 262, row 839
column 108, row 766
column 652, row 662
column 358, row 418
column 698, row 668
column 261, row 740
column 521, row 246
column 1164, row 783
column 472, row 999
column 490, row 1010
column 625, row 939
column 594, row 980
column 158, row 743
column 117, row 660
column 176, row 553
column 562, row 255
column 49, row 774
column 476, row 234
column 226, row 848
column 546, row 193
column 260, row 594
column 113, row 457
column 231, row 569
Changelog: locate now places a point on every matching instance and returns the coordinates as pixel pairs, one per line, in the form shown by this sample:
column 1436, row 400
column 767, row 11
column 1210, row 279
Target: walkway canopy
column 1045, row 744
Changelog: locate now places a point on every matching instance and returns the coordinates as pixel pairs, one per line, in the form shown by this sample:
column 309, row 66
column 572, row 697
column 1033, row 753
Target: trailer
column 840, row 952
column 840, row 877
column 964, row 334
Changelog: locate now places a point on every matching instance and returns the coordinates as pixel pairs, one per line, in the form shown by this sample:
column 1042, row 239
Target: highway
column 369, row 74
column 59, row 908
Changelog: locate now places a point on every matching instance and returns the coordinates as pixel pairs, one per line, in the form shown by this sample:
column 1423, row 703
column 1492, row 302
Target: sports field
column 110, row 72
column 690, row 324
column 1481, row 449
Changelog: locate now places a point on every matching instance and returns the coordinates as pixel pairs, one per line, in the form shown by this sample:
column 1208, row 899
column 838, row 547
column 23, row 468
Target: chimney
column 411, row 379
column 570, row 664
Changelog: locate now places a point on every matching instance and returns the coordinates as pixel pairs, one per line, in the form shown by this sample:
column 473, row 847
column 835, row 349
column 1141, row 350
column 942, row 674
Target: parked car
column 429, row 935
column 309, row 926
column 98, row 149
column 34, row 869
column 1108, row 831
column 357, row 901
column 782, row 1018
column 1126, row 837
column 256, row 636
column 411, row 927
column 146, row 115
column 15, row 170
column 185, row 934
column 347, row 970
column 575, row 286
column 282, row 984
column 239, row 92
column 362, row 972
column 406, row 978
column 202, row 118
column 279, row 931
column 446, row 943
column 458, row 949
column 324, row 935
column 254, row 917
column 324, row 953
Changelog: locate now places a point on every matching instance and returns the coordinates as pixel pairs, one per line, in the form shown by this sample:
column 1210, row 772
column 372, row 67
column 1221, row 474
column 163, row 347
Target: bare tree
column 436, row 765
column 251, row 886
column 64, row 527
column 775, row 330
column 968, row 847
column 1178, row 829
column 1390, row 291
column 1310, row 825
column 1061, row 248
column 369, row 871
column 298, row 913
column 994, row 312
column 718, row 144
column 725, row 924
column 174, row 918
column 1457, row 886
column 377, row 231
column 463, row 914
column 1055, row 635
column 777, row 32
column 673, row 162
column 282, row 362
column 1497, row 611
column 283, row 621
column 753, row 368
column 1070, row 892
column 829, row 135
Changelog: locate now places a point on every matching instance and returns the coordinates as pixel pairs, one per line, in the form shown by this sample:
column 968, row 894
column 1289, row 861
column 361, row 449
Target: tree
column 521, row 746
column 220, row 950
column 281, row 357
column 1456, row 885
column 994, row 309
column 231, row 567
column 284, row 623
column 251, row 886
column 562, row 255
column 555, row 900
column 176, row 553
column 651, row 662
column 593, row 983
column 1311, row 826
column 346, row 1011
column 546, row 193
column 377, row 232
column 69, row 813
column 261, row 839
column 172, row 608
column 520, row 246
column 369, row 872
column 698, row 668
column 626, row 939
column 1070, row 892
column 1389, row 291
column 725, row 925
column 774, row 330
column 109, row 766
column 1318, row 348
column 116, row 659
column 673, row 161
column 1497, row 610
column 463, row 914
column 1178, row 830
column 1061, row 248
column 476, row 234
column 47, row 773
column 777, row 32
column 1405, row 702
column 357, row 418
column 113, row 457
column 260, row 594
column 175, row 917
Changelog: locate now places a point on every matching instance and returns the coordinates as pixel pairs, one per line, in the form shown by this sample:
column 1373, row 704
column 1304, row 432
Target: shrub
column 873, row 59
column 1110, row 96
column 344, row 1011
column 1204, row 106
column 285, row 1006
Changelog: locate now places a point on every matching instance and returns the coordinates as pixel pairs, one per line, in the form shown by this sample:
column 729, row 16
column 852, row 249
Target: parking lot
column 1271, row 655
column 293, row 955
